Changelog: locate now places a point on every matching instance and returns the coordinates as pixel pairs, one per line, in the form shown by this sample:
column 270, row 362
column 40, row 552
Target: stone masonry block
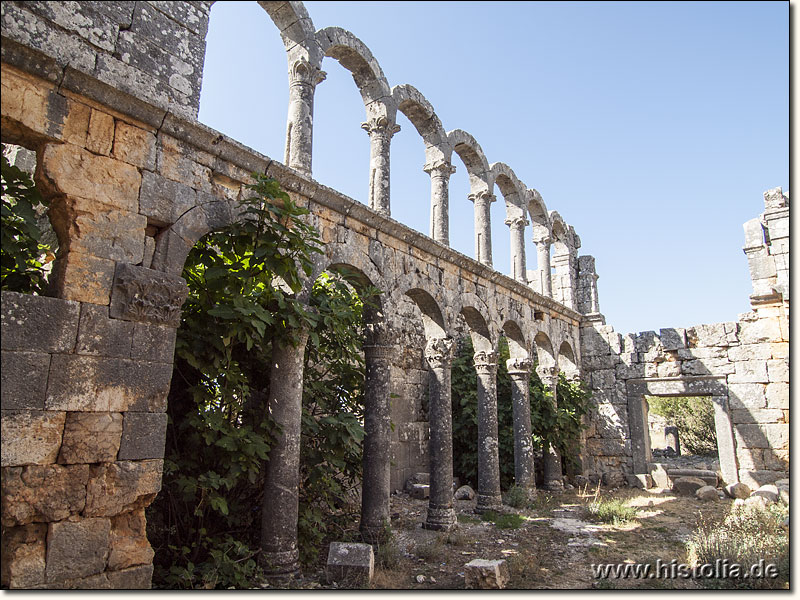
column 24, row 380
column 143, row 436
column 99, row 335
column 778, row 370
column 135, row 578
column 763, row 435
column 85, row 383
column 350, row 563
column 750, row 371
column 77, row 549
column 23, row 551
column 121, row 487
column 153, row 343
column 147, row 295
column 673, row 339
column 38, row 323
column 83, row 278
column 43, row 493
column 134, row 146
column 129, row 545
column 100, row 137
column 747, row 395
column 757, row 415
column 91, row 438
column 708, row 366
column 777, row 395
column 759, row 331
column 30, row 437
column 97, row 229
column 750, row 352
column 81, row 19
column 80, row 174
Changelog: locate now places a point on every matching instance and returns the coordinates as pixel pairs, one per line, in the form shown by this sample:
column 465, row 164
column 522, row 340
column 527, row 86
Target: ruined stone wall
column 744, row 364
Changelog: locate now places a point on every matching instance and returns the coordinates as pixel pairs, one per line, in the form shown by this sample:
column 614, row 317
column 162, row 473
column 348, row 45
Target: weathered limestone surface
column 349, row 563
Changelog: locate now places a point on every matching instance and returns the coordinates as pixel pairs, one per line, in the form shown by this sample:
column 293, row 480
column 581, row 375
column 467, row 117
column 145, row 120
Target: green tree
column 694, row 418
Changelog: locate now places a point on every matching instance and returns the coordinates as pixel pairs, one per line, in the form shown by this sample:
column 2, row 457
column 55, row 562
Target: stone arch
column 432, row 316
column 471, row 154
column 482, row 339
column 567, row 361
column 517, row 346
column 410, row 101
column 514, row 191
column 293, row 22
column 540, row 220
column 354, row 56
column 543, row 348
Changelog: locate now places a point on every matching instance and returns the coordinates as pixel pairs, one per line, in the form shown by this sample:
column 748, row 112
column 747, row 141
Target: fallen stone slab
column 738, row 490
column 710, row 477
column 768, row 492
column 481, row 574
column 706, row 493
column 642, row 481
column 687, row 486
column 658, row 471
column 783, row 490
column 350, row 563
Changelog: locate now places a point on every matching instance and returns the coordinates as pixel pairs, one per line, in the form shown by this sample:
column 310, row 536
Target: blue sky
column 652, row 127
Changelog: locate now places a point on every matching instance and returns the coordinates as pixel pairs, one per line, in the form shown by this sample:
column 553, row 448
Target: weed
column 429, row 550
column 510, row 521
column 456, row 538
column 611, row 511
column 467, row 519
column 749, row 533
column 517, row 497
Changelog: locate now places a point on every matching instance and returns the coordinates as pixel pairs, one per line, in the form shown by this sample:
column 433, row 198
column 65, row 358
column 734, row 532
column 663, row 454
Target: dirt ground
column 554, row 546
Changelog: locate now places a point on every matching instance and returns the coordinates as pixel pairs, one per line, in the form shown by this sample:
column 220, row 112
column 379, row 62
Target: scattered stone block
column 642, row 481
column 350, row 563
column 465, row 493
column 481, row 574
column 710, row 477
column 769, row 492
column 737, row 490
column 706, row 493
column 687, row 486
column 659, row 474
column 419, row 491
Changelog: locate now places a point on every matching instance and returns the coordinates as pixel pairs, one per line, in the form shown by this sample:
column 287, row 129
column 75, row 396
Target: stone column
column 303, row 80
column 553, row 480
column 380, row 130
column 543, row 259
column 520, row 371
column 489, row 496
column 441, row 515
column 483, row 226
column 375, row 488
column 518, row 266
column 440, row 173
column 279, row 552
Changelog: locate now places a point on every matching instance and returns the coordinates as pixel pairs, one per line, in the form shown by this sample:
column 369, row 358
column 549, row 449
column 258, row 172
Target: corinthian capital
column 380, row 126
column 518, row 366
column 548, row 375
column 440, row 167
column 483, row 195
column 485, row 362
column 439, row 352
column 517, row 222
column 303, row 72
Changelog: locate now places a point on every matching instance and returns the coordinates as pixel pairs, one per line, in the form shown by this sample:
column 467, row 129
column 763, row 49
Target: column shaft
column 375, row 489
column 489, row 495
column 440, row 200
column 483, row 226
column 518, row 262
column 524, row 473
column 553, row 479
column 441, row 515
column 543, row 258
column 303, row 79
column 380, row 132
column 279, row 552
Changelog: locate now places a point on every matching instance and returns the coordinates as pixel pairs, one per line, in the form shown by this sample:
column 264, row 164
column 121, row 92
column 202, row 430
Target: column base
column 374, row 534
column 440, row 519
column 280, row 565
column 554, row 485
column 488, row 502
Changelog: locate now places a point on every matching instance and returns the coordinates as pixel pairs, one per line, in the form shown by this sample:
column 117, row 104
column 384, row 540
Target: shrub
column 22, row 253
column 750, row 533
column 611, row 511
column 694, row 418
column 517, row 497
